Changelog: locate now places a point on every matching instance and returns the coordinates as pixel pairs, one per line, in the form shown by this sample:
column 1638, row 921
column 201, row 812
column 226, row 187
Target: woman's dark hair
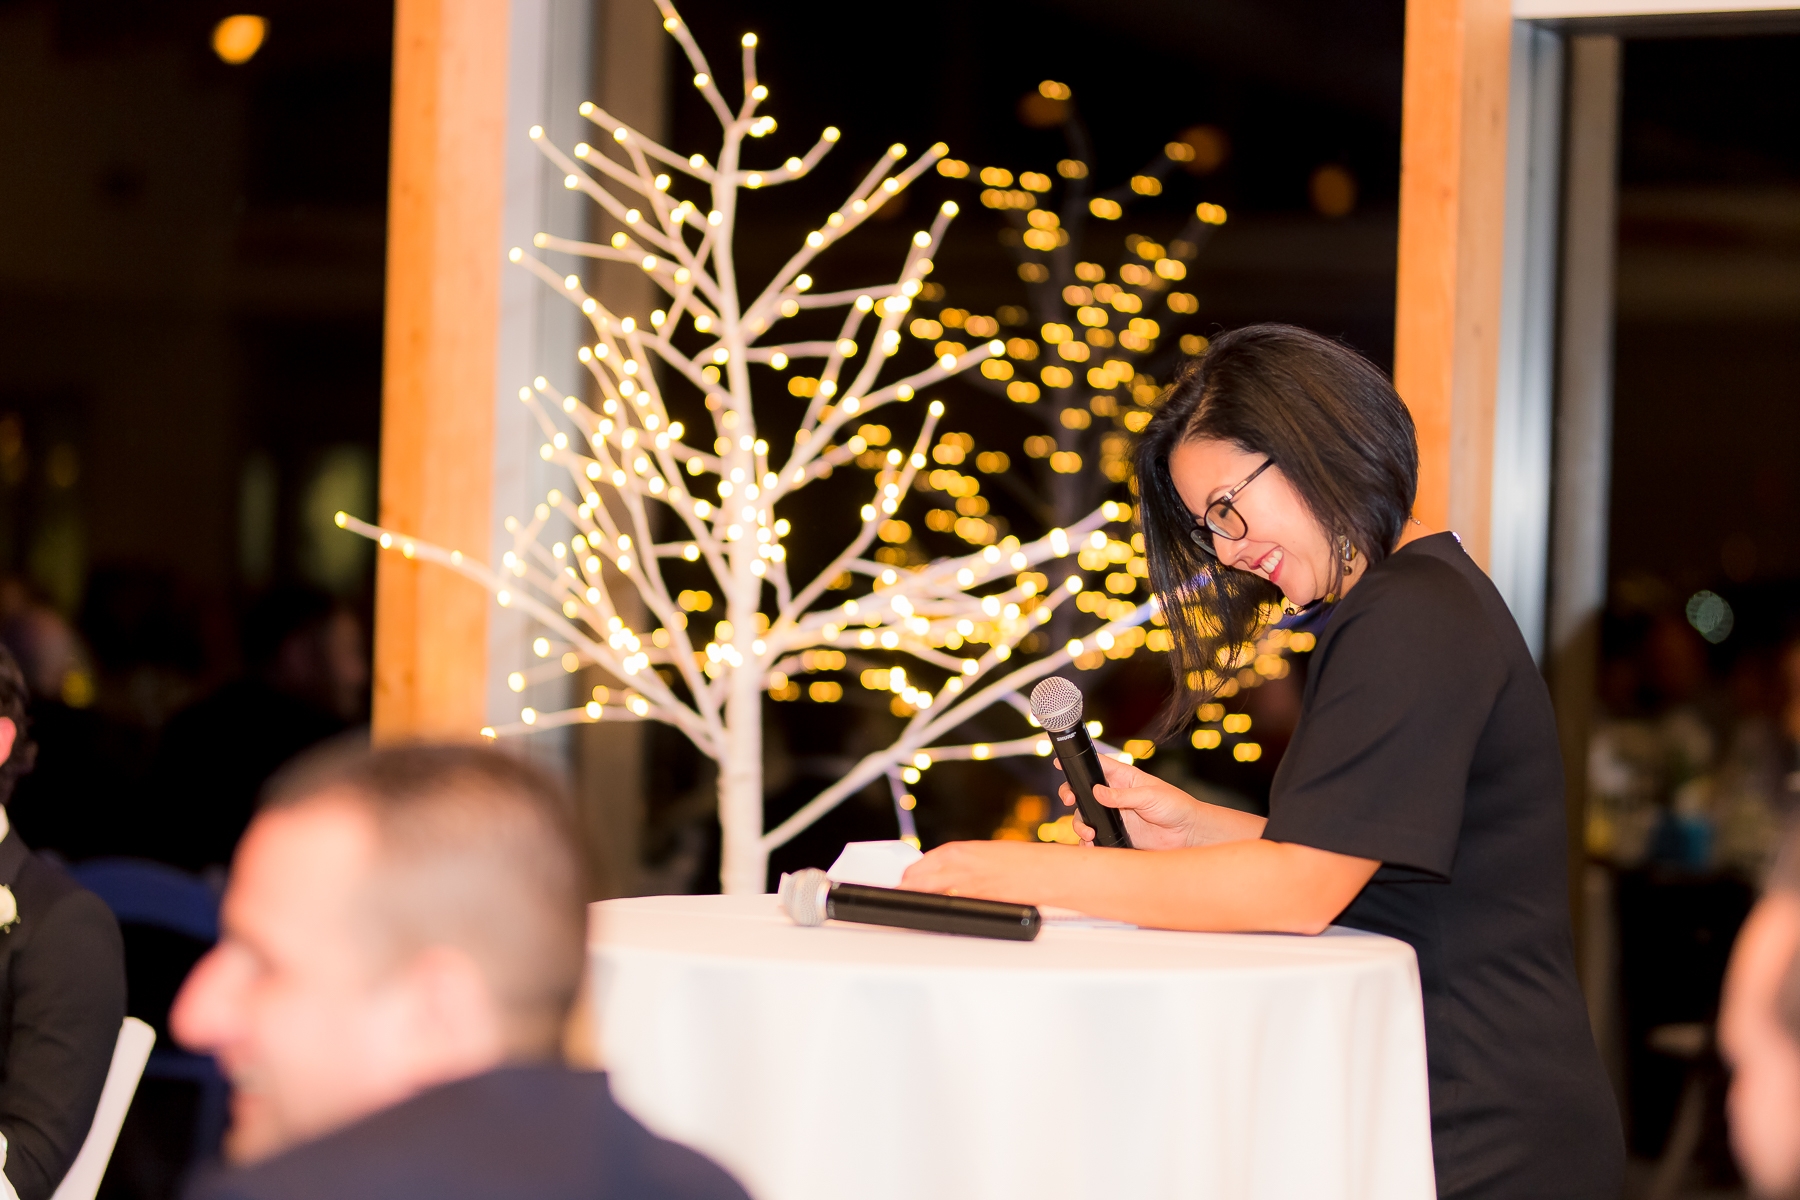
column 1340, row 434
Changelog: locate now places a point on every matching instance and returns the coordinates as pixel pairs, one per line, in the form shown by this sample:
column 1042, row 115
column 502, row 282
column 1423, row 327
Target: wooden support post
column 443, row 268
column 1452, row 223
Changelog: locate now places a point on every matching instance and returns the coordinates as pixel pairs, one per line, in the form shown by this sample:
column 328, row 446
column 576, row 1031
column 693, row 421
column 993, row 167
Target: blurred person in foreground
column 402, row 939
column 62, row 988
column 307, row 681
column 1759, row 1034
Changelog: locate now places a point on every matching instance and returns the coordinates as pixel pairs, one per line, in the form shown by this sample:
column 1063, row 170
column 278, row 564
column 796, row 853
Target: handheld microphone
column 810, row 897
column 1056, row 703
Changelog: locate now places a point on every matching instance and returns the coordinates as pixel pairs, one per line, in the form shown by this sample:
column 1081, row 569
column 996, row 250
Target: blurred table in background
column 851, row 1061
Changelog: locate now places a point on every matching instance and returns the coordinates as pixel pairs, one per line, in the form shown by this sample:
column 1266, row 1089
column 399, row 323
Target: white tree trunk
column 744, row 863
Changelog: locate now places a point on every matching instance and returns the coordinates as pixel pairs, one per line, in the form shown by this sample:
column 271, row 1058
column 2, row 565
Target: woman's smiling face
column 1282, row 542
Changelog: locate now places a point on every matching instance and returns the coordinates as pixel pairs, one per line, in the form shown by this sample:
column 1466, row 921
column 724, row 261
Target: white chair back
column 130, row 1053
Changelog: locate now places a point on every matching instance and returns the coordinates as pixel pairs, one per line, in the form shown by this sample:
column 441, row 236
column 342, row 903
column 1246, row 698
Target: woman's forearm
column 1239, row 886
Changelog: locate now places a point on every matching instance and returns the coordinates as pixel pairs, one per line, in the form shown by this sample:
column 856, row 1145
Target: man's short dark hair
column 475, row 850
column 15, row 694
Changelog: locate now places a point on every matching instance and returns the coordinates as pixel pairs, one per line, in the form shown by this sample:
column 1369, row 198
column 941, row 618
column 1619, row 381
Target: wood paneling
column 1452, row 222
column 443, row 270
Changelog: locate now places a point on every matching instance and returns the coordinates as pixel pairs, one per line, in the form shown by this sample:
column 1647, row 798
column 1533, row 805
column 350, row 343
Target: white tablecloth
column 855, row 1063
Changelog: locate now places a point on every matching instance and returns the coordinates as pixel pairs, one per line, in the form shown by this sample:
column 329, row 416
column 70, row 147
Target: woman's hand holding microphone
column 1160, row 816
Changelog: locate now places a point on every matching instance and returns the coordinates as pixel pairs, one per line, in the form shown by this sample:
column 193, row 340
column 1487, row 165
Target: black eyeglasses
column 1222, row 519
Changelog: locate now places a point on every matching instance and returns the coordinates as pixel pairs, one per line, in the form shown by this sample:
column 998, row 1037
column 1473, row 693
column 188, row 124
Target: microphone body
column 1081, row 764
column 1056, row 703
column 810, row 898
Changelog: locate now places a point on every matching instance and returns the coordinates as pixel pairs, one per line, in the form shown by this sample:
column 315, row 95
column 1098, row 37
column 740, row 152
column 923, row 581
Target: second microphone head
column 805, row 895
column 1056, row 703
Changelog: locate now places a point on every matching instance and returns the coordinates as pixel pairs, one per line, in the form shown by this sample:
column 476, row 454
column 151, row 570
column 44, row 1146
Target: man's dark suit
column 524, row 1133
column 62, row 999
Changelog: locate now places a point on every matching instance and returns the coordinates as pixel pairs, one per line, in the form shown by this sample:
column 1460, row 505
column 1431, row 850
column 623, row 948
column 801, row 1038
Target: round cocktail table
column 855, row 1063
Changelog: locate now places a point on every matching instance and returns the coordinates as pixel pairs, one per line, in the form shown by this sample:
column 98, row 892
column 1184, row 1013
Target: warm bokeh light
column 237, row 38
column 1333, row 190
column 1202, row 149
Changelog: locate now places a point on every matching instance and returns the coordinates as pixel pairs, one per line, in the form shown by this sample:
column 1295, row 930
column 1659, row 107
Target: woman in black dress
column 1421, row 796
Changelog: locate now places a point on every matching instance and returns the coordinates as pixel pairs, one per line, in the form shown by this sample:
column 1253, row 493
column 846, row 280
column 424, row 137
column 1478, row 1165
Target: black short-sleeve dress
column 1426, row 740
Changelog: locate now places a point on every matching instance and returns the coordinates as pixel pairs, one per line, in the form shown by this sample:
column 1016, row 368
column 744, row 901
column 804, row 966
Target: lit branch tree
column 633, row 502
column 1083, row 370
column 1091, row 377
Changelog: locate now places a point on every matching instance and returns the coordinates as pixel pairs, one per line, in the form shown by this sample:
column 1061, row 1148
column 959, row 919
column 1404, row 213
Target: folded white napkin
column 874, row 864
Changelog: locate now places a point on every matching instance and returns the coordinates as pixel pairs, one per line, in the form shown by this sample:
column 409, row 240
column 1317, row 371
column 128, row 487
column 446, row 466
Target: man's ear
column 456, row 1012
column 9, row 736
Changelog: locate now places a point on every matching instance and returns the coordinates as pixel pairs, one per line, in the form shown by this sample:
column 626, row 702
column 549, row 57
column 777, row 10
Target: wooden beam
column 1452, row 222
column 443, row 270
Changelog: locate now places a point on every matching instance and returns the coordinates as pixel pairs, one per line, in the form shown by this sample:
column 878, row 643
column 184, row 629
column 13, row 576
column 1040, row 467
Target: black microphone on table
column 811, row 897
column 1056, row 703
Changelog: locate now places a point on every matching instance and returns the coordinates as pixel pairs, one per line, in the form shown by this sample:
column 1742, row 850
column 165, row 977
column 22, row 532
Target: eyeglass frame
column 1204, row 524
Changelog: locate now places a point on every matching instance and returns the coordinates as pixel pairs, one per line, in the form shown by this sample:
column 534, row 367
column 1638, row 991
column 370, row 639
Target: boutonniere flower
column 9, row 909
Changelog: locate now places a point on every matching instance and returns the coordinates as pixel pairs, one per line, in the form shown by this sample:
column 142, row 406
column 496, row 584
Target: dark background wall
column 1706, row 458
column 1706, row 430
column 190, row 319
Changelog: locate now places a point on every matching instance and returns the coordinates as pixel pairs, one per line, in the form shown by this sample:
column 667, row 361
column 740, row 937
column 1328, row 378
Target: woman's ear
column 9, row 736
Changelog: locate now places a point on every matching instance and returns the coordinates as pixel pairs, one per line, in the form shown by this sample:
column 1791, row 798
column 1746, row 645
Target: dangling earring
column 1346, row 552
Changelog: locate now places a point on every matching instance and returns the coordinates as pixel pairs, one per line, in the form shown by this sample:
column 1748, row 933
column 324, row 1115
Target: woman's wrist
column 1215, row 824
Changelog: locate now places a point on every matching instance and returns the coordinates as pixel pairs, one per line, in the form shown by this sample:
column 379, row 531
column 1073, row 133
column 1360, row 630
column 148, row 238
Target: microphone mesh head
column 1056, row 703
column 803, row 895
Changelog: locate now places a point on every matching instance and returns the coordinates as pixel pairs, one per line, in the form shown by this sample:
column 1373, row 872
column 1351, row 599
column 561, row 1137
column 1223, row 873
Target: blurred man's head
column 395, row 919
column 1759, row 1035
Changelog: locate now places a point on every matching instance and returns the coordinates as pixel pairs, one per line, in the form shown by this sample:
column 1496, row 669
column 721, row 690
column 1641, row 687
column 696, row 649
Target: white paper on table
column 881, row 864
column 874, row 864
